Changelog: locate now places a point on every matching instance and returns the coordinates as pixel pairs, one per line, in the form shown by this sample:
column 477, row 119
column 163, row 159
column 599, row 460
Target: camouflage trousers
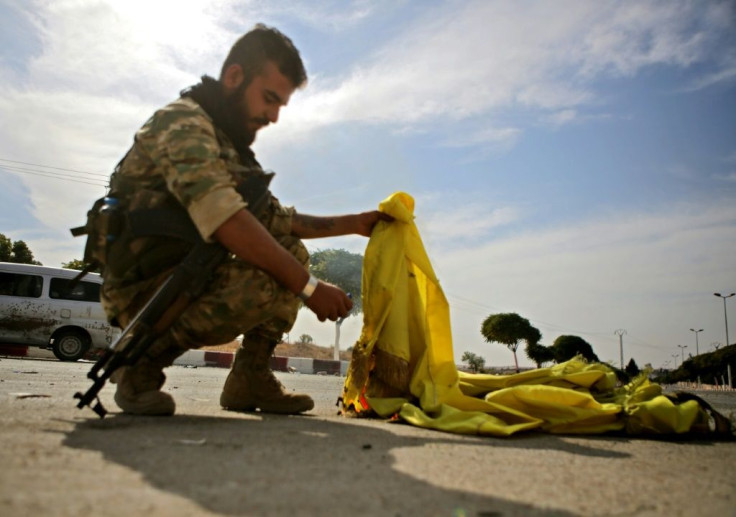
column 241, row 299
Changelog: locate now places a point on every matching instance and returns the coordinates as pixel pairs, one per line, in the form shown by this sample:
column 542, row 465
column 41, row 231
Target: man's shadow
column 276, row 465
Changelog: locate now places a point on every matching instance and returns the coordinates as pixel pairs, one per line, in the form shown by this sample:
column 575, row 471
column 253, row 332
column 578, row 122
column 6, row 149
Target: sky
column 571, row 161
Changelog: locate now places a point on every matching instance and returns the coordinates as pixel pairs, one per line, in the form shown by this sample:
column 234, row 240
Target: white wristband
column 309, row 288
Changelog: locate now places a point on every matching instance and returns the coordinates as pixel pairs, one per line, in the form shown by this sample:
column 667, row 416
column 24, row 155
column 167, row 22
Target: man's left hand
column 365, row 221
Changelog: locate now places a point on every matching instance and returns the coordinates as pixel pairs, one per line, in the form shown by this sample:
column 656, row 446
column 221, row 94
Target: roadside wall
column 281, row 364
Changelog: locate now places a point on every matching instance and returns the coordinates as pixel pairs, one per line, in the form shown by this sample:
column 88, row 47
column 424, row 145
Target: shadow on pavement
column 276, row 465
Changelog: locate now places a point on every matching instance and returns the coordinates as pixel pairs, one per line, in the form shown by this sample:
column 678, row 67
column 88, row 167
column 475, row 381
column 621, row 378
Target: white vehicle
column 37, row 308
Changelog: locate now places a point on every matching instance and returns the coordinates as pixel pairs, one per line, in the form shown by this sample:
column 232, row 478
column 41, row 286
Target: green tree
column 509, row 329
column 305, row 339
column 73, row 264
column 567, row 347
column 6, row 248
column 475, row 362
column 632, row 369
column 710, row 367
column 540, row 354
column 345, row 270
column 16, row 251
column 79, row 265
column 341, row 268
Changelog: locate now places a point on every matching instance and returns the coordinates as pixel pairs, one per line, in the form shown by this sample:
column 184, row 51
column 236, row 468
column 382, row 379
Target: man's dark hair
column 262, row 44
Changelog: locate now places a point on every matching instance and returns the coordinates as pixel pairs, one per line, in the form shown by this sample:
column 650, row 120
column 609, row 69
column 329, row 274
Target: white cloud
column 141, row 49
column 66, row 129
column 332, row 15
column 445, row 223
column 478, row 57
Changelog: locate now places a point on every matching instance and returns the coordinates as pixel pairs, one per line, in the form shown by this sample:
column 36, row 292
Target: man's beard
column 237, row 117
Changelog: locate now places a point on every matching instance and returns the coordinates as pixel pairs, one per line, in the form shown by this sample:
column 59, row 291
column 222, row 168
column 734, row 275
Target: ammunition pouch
column 104, row 225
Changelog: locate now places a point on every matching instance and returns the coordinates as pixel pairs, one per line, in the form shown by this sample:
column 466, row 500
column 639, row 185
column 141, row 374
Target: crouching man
column 192, row 155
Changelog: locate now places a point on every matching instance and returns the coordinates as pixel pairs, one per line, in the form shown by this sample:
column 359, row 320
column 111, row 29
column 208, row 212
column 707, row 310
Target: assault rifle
column 185, row 284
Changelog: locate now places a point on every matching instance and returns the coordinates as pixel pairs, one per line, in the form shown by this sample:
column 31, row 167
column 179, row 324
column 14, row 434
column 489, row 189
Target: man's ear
column 233, row 77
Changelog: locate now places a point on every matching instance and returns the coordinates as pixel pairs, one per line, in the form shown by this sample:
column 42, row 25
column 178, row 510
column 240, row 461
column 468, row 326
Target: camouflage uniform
column 181, row 158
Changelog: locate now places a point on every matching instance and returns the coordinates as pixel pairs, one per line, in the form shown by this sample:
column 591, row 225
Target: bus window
column 18, row 284
column 81, row 292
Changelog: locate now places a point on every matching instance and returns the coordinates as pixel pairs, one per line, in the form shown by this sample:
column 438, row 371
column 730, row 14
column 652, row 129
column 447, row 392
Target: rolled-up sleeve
column 214, row 208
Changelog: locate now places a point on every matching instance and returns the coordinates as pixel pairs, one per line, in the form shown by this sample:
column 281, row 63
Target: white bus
column 37, row 308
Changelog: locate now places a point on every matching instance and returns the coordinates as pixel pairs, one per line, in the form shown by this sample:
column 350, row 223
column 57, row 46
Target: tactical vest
column 133, row 244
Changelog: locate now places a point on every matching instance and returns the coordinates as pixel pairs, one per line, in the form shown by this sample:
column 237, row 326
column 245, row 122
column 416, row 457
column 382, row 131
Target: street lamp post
column 725, row 314
column 682, row 352
column 674, row 356
column 697, row 349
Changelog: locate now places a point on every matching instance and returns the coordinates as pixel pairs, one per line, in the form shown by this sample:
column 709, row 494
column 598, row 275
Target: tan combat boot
column 139, row 390
column 251, row 384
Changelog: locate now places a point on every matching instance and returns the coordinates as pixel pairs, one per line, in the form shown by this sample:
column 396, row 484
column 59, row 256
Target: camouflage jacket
column 179, row 159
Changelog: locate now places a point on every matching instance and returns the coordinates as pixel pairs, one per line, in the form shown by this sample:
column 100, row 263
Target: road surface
column 58, row 460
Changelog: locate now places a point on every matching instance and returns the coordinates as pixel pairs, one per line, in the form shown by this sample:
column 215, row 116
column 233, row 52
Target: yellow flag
column 403, row 364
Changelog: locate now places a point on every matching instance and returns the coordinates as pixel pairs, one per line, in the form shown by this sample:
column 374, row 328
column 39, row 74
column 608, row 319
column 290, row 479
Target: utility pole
column 620, row 333
column 725, row 314
column 682, row 352
column 697, row 350
column 336, row 350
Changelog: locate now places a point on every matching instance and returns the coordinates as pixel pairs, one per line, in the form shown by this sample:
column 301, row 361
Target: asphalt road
column 59, row 460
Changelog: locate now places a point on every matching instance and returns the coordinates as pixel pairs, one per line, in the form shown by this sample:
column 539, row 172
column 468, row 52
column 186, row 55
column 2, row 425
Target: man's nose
column 273, row 114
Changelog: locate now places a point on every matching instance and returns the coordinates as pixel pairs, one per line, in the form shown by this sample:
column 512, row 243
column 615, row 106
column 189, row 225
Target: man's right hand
column 329, row 302
column 247, row 238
